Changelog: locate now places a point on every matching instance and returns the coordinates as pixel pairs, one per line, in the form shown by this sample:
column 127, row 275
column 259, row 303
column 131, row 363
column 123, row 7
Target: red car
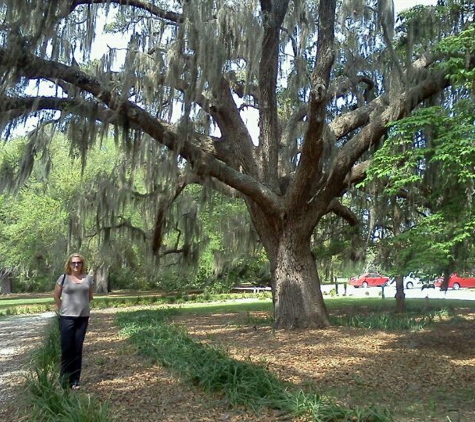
column 368, row 279
column 456, row 282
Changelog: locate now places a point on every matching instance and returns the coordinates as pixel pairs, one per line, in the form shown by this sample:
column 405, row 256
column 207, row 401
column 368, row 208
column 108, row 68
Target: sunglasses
column 76, row 264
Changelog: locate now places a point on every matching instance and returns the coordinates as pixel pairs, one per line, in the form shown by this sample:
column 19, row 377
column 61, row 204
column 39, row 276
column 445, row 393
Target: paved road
column 19, row 335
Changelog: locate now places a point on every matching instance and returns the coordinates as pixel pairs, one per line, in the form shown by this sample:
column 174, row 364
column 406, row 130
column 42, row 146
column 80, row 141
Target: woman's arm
column 57, row 295
column 91, row 291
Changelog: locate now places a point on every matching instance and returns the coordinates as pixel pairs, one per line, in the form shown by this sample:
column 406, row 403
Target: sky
column 111, row 39
column 400, row 5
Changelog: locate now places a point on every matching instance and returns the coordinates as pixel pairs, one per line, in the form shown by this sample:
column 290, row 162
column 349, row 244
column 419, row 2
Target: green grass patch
column 23, row 306
column 367, row 313
column 232, row 306
column 388, row 304
column 6, row 303
column 239, row 382
column 25, row 309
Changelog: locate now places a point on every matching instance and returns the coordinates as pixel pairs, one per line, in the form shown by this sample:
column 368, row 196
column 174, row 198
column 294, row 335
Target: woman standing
column 72, row 294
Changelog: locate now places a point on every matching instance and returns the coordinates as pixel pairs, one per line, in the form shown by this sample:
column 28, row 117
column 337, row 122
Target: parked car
column 368, row 279
column 456, row 282
column 417, row 280
column 411, row 280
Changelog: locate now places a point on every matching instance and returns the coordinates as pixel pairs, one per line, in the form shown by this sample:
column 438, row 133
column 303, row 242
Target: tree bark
column 400, row 295
column 6, row 284
column 298, row 300
column 101, row 279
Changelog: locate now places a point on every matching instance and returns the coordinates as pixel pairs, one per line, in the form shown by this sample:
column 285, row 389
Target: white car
column 411, row 280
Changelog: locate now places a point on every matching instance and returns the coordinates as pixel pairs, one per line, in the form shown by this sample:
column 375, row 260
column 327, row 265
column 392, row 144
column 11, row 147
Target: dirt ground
column 423, row 376
column 18, row 337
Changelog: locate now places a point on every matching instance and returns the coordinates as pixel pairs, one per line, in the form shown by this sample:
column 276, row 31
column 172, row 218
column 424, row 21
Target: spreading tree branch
column 203, row 163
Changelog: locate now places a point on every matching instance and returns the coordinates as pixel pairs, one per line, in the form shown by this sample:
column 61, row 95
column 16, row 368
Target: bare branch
column 147, row 6
column 123, row 224
column 337, row 208
column 357, row 174
column 165, row 203
column 272, row 14
column 343, row 85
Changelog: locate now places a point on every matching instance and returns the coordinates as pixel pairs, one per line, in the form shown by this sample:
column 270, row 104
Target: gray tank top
column 75, row 297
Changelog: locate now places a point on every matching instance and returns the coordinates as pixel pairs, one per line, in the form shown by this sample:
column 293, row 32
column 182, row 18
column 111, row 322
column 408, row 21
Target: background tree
column 334, row 66
column 427, row 168
column 48, row 217
column 30, row 236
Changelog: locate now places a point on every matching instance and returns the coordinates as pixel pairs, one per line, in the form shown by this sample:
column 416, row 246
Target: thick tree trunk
column 101, row 279
column 298, row 300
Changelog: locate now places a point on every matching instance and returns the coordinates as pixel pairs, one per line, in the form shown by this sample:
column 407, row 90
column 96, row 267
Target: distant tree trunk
column 400, row 295
column 6, row 287
column 450, row 268
column 6, row 281
column 446, row 276
column 101, row 279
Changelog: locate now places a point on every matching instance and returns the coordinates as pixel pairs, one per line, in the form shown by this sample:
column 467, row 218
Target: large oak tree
column 324, row 77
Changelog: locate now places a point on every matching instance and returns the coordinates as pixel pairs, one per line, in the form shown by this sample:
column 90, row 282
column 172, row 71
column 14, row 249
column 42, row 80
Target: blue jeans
column 72, row 332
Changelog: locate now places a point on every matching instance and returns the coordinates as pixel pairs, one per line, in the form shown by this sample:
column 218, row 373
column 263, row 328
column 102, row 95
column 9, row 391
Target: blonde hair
column 67, row 264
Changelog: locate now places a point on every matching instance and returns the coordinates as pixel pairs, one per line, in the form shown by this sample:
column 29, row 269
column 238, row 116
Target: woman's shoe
column 75, row 386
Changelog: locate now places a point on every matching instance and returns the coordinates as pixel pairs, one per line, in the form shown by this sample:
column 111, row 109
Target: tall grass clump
column 414, row 321
column 47, row 400
column 239, row 382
